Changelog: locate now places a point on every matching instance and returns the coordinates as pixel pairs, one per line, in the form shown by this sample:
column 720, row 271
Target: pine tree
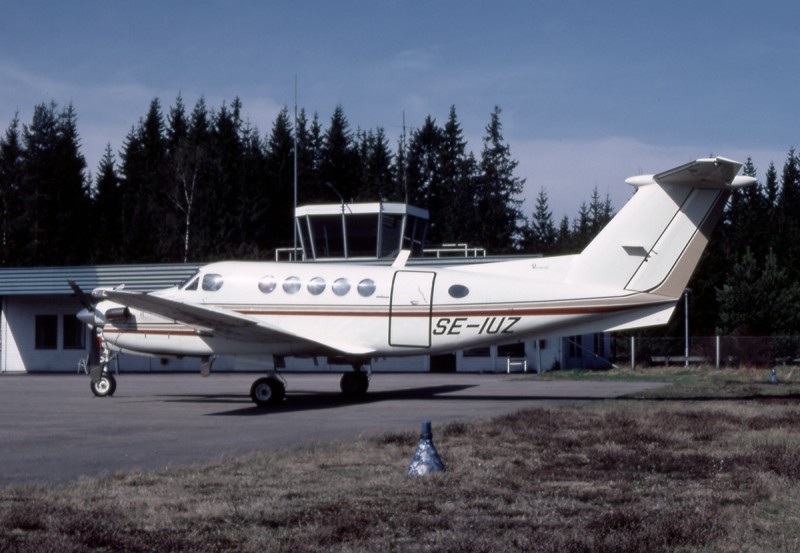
column 107, row 208
column 54, row 189
column 582, row 228
column 11, row 174
column 542, row 229
column 498, row 191
column 254, row 203
column 376, row 171
column 457, row 186
column 146, row 236
column 759, row 299
column 279, row 186
column 339, row 164
column 309, row 161
column 786, row 210
column 423, row 175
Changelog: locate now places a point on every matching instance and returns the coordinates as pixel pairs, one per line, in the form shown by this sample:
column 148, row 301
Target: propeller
column 88, row 315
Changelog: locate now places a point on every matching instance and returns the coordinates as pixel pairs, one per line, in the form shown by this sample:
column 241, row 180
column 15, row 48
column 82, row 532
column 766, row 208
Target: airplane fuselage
column 376, row 311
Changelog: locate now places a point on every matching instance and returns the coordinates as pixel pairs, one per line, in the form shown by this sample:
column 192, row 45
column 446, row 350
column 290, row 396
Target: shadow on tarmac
column 298, row 401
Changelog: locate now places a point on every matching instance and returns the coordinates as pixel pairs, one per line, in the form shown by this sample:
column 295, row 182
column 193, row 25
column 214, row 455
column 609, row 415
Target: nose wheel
column 105, row 386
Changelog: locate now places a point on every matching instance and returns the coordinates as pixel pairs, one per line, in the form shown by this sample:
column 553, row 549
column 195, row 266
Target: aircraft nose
column 86, row 316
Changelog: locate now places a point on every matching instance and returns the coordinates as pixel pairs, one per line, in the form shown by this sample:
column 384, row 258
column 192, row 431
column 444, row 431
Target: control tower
column 360, row 230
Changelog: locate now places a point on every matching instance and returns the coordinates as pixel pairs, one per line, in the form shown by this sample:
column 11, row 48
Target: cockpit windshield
column 189, row 283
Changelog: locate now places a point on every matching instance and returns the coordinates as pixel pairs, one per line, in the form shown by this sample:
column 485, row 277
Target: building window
column 478, row 352
column 46, row 331
column 575, row 346
column 599, row 344
column 511, row 350
column 74, row 333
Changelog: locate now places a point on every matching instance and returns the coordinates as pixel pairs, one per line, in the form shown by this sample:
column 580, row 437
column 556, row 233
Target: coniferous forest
column 204, row 184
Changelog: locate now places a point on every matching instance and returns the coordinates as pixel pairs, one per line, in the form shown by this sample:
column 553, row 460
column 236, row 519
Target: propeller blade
column 83, row 297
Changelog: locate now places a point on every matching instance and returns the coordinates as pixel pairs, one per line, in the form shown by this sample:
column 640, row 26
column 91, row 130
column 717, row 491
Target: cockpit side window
column 212, row 282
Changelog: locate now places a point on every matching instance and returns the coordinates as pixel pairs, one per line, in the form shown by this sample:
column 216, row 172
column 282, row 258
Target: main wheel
column 104, row 387
column 267, row 391
column 354, row 384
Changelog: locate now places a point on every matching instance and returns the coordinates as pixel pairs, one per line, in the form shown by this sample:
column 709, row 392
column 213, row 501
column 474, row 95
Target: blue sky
column 590, row 92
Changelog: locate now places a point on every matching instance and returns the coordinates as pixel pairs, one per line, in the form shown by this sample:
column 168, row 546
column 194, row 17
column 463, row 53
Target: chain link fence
column 717, row 351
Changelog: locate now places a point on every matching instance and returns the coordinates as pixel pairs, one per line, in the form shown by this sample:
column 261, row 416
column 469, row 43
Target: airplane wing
column 216, row 321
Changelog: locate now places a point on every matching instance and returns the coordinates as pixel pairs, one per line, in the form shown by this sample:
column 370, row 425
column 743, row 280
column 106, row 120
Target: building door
column 410, row 309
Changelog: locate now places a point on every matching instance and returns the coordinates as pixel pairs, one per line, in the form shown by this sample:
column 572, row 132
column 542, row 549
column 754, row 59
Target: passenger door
column 410, row 309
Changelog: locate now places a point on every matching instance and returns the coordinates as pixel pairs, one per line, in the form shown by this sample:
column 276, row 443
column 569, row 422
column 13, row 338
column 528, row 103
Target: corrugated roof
column 25, row 281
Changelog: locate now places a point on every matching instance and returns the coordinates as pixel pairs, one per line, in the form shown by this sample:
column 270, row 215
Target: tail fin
column 654, row 243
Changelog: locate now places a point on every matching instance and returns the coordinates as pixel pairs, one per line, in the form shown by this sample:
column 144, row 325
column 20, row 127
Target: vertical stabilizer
column 654, row 243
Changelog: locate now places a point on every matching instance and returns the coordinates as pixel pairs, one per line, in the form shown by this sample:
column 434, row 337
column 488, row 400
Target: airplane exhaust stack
column 426, row 459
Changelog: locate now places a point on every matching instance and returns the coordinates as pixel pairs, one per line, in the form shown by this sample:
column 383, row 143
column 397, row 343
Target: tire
column 105, row 387
column 354, row 384
column 266, row 392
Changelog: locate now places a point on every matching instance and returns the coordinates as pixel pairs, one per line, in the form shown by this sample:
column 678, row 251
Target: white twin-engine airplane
column 631, row 275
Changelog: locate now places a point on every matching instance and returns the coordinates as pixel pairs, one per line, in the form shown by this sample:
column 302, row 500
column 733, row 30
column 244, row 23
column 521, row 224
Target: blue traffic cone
column 426, row 459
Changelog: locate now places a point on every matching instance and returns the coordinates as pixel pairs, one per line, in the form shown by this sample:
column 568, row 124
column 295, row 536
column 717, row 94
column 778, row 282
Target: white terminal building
column 39, row 331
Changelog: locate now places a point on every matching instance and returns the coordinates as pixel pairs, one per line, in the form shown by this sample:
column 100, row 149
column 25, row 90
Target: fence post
column 633, row 353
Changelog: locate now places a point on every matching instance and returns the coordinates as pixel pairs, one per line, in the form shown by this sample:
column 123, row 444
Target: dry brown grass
column 626, row 475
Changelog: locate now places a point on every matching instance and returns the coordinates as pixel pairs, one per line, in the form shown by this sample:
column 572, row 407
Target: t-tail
column 654, row 243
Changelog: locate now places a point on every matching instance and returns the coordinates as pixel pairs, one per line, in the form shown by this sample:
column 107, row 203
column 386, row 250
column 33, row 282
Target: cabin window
column 291, row 285
column 212, row 282
column 46, row 331
column 341, row 286
column 366, row 287
column 316, row 286
column 458, row 291
column 267, row 284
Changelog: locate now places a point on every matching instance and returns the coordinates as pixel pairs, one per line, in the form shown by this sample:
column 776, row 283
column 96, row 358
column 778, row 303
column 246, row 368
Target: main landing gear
column 354, row 385
column 270, row 390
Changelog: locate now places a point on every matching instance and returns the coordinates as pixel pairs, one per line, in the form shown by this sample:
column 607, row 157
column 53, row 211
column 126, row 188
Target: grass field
column 711, row 463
